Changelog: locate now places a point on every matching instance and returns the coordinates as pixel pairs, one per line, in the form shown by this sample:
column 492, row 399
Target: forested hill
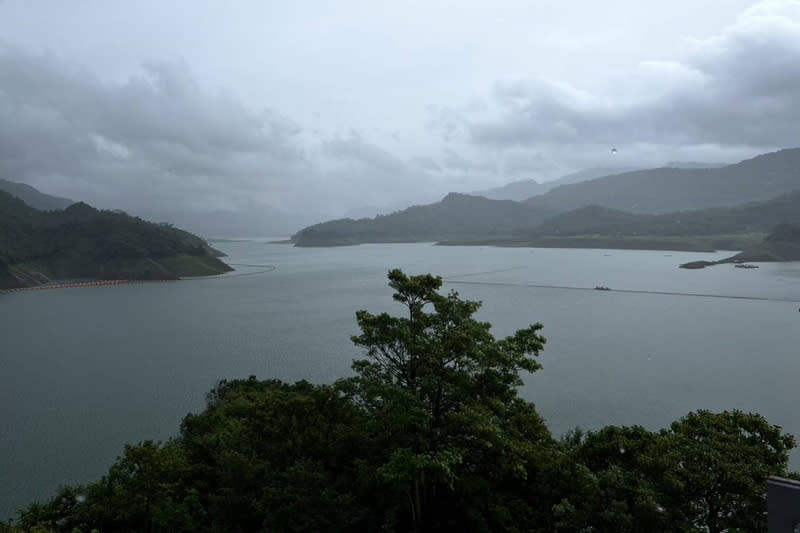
column 503, row 227
column 33, row 197
column 665, row 190
column 457, row 216
column 83, row 242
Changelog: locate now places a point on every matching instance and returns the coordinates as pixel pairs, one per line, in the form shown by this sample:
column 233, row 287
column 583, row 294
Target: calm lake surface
column 84, row 371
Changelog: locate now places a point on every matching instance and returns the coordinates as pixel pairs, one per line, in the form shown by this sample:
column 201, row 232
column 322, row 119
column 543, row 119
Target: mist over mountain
column 253, row 222
column 523, row 189
column 516, row 190
column 520, row 190
column 370, row 211
column 34, row 197
column 664, row 190
column 692, row 164
column 772, row 179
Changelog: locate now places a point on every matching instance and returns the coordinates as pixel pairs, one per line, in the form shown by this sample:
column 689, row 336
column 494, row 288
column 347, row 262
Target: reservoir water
column 84, row 371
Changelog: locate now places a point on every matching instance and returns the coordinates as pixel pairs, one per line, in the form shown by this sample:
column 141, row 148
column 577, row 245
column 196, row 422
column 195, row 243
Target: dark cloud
column 155, row 138
column 160, row 138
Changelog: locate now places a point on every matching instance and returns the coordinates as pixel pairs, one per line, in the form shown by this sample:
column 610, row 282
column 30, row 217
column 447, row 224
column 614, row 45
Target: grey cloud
column 357, row 151
column 529, row 164
column 155, row 138
column 358, row 168
column 427, row 163
column 737, row 88
column 454, row 161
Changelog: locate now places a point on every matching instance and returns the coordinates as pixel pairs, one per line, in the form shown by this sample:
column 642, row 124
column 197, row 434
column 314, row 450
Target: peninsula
column 81, row 242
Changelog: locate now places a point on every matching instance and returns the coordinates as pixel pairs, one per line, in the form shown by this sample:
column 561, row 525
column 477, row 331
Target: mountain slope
column 665, row 190
column 82, row 242
column 456, row 216
column 753, row 217
column 34, row 197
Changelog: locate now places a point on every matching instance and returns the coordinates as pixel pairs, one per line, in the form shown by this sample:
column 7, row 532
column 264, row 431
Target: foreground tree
column 718, row 467
column 441, row 393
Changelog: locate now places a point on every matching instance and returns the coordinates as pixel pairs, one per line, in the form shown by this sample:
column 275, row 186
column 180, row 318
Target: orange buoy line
column 69, row 285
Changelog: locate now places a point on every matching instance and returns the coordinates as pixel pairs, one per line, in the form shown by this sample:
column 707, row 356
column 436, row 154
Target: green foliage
column 81, row 241
column 441, row 393
column 428, row 435
column 718, row 466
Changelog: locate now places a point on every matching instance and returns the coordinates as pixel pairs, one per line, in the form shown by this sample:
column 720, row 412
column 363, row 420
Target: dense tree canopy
column 81, row 241
column 428, row 434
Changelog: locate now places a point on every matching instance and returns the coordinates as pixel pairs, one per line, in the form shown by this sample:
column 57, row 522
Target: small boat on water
column 745, row 265
column 600, row 288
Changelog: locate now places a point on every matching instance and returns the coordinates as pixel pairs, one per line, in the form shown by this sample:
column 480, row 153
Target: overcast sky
column 324, row 106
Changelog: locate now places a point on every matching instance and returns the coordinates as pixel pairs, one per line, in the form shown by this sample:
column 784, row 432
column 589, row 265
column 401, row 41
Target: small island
column 81, row 242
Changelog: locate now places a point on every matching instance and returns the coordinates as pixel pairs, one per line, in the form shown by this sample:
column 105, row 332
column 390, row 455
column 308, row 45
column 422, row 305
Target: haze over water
column 84, row 371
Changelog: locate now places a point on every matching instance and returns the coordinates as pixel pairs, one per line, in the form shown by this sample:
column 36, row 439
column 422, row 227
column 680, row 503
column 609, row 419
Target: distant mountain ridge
column 524, row 189
column 455, row 216
column 520, row 190
column 34, row 197
column 665, row 190
column 473, row 219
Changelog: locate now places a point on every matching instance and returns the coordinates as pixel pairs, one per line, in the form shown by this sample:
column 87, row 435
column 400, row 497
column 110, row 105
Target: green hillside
column 83, row 242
